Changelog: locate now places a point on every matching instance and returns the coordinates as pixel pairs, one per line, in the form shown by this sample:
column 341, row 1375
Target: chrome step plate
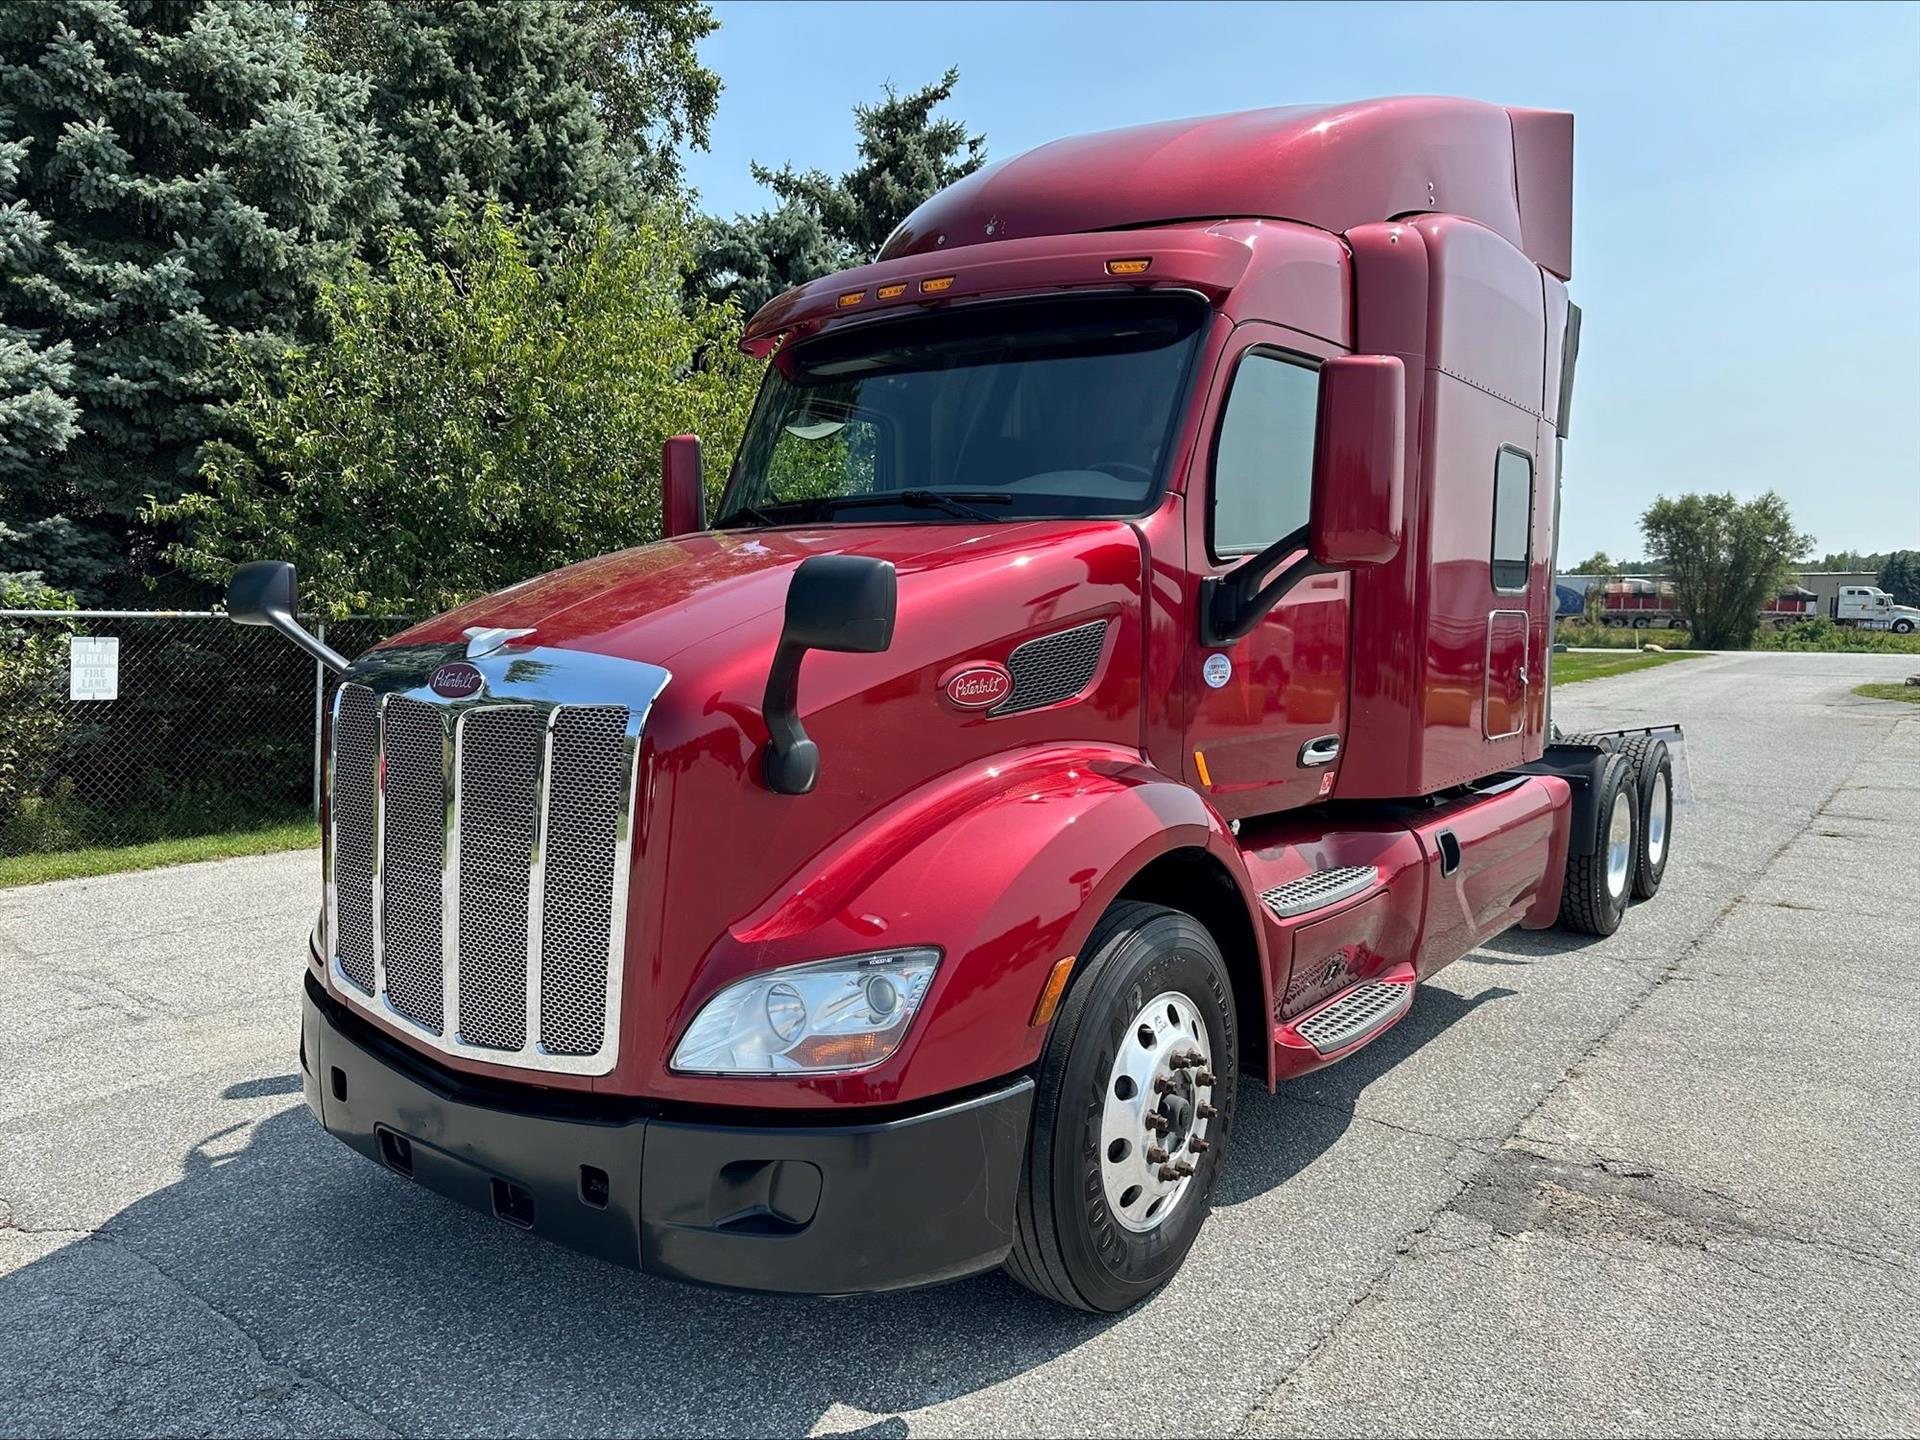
column 1319, row 890
column 1355, row 1015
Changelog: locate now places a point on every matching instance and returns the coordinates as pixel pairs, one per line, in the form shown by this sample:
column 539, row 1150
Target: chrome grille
column 356, row 739
column 499, row 810
column 577, row 884
column 477, row 855
column 413, row 857
column 1053, row 667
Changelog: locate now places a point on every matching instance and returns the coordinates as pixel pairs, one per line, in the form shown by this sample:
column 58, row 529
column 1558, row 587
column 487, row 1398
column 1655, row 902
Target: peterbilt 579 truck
column 1114, row 673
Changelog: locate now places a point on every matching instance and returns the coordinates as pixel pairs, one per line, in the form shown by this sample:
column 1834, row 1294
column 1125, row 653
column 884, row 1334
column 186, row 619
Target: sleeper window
column 1263, row 463
column 1512, row 519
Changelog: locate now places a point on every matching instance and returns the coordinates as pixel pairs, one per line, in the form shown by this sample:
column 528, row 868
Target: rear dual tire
column 1599, row 886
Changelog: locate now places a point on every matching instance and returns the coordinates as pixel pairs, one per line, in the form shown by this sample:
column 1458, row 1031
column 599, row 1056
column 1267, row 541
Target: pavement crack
column 248, row 1340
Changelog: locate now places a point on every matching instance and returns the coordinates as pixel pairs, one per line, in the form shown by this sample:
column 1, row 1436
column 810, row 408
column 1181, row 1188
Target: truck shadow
column 431, row 1317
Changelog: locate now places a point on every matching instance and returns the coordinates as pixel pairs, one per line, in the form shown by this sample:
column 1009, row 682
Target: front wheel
column 1903, row 627
column 1133, row 1111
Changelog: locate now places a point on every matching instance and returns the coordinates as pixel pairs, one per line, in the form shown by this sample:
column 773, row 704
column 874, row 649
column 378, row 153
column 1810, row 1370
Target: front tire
column 1903, row 627
column 1599, row 885
column 1098, row 1223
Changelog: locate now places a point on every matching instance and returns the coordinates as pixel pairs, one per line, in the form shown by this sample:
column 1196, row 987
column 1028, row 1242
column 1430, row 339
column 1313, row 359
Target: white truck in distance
column 1866, row 607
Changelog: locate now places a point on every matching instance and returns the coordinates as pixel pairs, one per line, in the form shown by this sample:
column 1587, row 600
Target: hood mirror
column 683, row 496
column 267, row 592
column 834, row 602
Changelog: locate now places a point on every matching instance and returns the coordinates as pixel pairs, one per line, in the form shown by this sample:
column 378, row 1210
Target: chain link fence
column 124, row 726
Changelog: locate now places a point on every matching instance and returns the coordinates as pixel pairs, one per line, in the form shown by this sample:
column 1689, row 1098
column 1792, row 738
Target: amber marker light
column 891, row 292
column 1128, row 267
column 935, row 285
column 1050, row 994
column 1200, row 764
column 852, row 298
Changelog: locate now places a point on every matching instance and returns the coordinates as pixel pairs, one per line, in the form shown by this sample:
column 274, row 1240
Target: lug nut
column 1165, row 1085
column 1196, row 1145
column 1182, row 1168
column 1155, row 1121
column 1167, row 1172
column 1205, row 1111
column 1156, row 1156
column 1205, row 1077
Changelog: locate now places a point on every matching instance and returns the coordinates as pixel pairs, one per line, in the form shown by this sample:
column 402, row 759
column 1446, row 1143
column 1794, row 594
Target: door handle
column 1321, row 750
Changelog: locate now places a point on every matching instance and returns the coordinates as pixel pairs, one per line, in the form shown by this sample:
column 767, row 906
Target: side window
column 1512, row 519
column 1263, row 460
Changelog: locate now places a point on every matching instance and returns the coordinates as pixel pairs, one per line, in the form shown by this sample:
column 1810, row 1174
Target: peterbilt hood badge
column 457, row 680
column 977, row 685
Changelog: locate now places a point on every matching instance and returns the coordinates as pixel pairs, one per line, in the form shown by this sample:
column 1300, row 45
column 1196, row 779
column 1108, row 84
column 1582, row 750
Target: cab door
column 1266, row 713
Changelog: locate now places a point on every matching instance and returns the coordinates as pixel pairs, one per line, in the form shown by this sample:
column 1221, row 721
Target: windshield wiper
column 951, row 501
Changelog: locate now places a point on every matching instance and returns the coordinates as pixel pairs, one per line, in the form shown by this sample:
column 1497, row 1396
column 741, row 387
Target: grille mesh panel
column 356, row 745
column 500, row 755
column 413, row 853
column 583, row 812
column 1359, row 1012
column 1053, row 667
column 1321, row 888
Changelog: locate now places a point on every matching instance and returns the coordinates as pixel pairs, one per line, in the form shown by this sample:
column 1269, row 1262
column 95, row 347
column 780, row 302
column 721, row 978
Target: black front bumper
column 803, row 1208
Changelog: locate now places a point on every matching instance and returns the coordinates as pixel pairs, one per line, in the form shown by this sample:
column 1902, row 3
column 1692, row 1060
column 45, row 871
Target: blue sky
column 1746, row 202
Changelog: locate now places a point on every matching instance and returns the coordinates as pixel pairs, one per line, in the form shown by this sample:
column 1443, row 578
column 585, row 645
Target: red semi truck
column 1116, row 672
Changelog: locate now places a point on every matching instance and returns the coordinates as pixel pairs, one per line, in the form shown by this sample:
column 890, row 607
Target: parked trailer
column 1117, row 670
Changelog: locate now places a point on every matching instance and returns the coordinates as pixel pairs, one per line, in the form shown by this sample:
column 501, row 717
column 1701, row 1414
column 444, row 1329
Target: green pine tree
column 558, row 109
column 825, row 224
column 177, row 180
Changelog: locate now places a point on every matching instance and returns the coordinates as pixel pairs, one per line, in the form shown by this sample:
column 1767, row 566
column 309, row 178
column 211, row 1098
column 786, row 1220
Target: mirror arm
column 1231, row 605
column 299, row 634
column 792, row 759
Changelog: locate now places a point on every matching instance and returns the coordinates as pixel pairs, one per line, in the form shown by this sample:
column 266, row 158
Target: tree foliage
column 1726, row 559
column 559, row 109
column 470, row 419
column 175, row 181
column 907, row 152
column 1900, row 577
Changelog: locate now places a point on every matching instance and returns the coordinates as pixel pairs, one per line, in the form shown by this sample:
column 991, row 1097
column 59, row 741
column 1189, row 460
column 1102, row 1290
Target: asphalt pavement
column 1657, row 1184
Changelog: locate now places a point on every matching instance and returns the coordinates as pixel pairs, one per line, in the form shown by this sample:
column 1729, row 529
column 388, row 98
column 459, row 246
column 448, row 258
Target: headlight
column 835, row 1015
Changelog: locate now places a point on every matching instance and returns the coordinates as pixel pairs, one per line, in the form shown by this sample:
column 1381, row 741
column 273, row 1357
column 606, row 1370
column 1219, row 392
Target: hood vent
column 1052, row 668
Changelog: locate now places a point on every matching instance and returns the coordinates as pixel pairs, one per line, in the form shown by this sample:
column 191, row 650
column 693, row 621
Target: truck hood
column 657, row 601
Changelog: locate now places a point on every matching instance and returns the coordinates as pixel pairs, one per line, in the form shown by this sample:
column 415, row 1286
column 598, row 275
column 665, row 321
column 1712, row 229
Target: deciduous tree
column 1726, row 559
column 471, row 419
column 1900, row 577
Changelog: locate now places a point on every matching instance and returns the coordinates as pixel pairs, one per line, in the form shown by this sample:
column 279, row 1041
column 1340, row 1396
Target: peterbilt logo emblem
column 457, row 680
column 978, row 686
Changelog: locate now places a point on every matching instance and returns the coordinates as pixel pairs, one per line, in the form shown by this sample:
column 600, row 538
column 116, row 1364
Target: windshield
column 1045, row 408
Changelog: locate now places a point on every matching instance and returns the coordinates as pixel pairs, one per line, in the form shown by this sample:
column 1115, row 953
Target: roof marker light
column 891, row 292
column 1129, row 267
column 935, row 285
column 852, row 298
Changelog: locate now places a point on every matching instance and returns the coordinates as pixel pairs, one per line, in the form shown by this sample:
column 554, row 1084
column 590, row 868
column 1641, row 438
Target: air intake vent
column 1054, row 667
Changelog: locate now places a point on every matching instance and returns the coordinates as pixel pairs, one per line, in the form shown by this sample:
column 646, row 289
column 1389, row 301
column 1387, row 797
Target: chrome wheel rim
column 1657, row 807
column 1620, row 846
column 1157, row 1108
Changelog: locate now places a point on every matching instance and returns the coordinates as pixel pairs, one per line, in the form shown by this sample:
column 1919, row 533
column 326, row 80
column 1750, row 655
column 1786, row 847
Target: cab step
column 1319, row 889
column 1343, row 1023
column 1354, row 1014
